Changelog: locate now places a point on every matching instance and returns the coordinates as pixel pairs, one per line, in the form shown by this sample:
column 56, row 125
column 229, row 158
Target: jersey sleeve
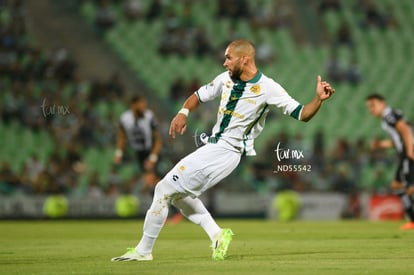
column 278, row 97
column 121, row 121
column 211, row 90
column 153, row 122
column 393, row 117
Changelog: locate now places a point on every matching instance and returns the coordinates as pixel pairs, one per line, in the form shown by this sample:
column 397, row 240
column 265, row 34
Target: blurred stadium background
column 68, row 68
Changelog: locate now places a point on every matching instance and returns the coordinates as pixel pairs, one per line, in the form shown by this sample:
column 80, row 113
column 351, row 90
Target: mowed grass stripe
column 259, row 247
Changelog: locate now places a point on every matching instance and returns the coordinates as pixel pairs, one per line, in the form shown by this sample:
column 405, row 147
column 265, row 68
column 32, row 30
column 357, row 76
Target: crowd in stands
column 37, row 84
column 338, row 71
column 182, row 34
column 42, row 91
column 371, row 16
column 336, row 169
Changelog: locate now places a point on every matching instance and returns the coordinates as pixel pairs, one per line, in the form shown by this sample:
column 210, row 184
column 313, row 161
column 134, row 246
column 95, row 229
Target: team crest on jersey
column 182, row 167
column 255, row 89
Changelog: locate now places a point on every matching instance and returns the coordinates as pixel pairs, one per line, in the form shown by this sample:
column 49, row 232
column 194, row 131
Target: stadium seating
column 382, row 62
column 383, row 56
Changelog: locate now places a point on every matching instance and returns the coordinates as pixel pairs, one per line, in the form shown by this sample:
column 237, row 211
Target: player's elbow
column 305, row 118
column 306, row 115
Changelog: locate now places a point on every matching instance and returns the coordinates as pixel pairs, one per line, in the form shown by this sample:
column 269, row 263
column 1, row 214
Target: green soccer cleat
column 221, row 244
column 132, row 255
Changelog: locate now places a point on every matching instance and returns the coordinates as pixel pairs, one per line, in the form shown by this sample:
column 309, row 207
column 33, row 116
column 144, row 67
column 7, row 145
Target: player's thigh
column 405, row 172
column 204, row 168
column 213, row 162
column 409, row 171
column 167, row 192
column 397, row 185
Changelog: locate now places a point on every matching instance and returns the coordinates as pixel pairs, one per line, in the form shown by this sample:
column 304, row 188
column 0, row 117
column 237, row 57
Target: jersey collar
column 255, row 79
column 386, row 111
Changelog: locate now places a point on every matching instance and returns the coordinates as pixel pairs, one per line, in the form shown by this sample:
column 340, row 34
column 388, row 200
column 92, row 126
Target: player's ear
column 245, row 58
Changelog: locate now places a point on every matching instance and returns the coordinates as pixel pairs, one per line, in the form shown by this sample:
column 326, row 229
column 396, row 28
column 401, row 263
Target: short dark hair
column 243, row 45
column 375, row 96
column 136, row 98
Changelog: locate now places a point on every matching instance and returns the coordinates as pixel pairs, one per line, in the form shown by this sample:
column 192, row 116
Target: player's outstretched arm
column 323, row 92
column 381, row 144
column 152, row 159
column 179, row 122
column 407, row 136
column 120, row 145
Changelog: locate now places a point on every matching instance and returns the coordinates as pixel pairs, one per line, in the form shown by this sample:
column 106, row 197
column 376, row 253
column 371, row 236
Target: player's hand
column 323, row 89
column 178, row 125
column 149, row 165
column 117, row 159
column 375, row 144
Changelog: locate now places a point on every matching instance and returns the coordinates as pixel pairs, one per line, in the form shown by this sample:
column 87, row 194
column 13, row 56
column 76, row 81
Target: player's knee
column 178, row 203
column 164, row 192
column 397, row 185
column 410, row 190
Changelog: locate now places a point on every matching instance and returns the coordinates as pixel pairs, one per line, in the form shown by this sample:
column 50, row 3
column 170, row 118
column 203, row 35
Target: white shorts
column 203, row 168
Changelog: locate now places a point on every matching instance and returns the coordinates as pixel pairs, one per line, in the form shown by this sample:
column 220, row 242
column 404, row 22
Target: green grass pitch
column 259, row 247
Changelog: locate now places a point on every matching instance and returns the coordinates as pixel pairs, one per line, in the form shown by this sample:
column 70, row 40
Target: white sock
column 210, row 226
column 195, row 211
column 155, row 217
column 145, row 246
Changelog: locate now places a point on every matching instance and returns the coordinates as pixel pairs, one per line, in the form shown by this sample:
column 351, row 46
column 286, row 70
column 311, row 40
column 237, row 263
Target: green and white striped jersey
column 244, row 107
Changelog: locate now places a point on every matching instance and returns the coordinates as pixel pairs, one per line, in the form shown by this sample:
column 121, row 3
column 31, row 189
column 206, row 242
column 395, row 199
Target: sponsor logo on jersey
column 249, row 100
column 231, row 113
column 228, row 84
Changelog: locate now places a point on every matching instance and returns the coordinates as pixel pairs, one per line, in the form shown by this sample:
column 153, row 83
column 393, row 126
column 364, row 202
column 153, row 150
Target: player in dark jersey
column 139, row 127
column 401, row 136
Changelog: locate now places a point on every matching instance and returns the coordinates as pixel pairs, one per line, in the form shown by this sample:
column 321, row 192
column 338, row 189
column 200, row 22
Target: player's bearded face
column 234, row 68
column 237, row 70
column 233, row 63
column 139, row 107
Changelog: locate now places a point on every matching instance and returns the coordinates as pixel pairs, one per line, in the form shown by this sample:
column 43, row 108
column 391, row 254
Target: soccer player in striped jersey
column 246, row 95
column 401, row 135
column 139, row 127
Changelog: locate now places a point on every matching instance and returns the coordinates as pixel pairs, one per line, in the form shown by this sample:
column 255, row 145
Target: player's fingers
column 172, row 130
column 330, row 93
column 183, row 129
column 327, row 87
column 319, row 79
